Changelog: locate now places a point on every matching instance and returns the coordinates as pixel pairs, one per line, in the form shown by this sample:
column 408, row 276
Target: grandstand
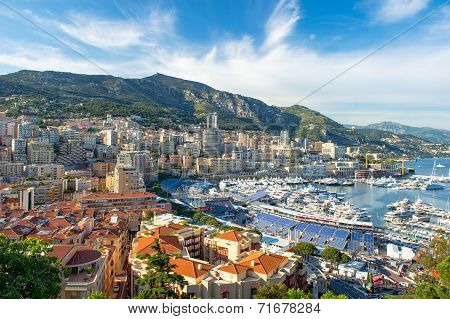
column 320, row 235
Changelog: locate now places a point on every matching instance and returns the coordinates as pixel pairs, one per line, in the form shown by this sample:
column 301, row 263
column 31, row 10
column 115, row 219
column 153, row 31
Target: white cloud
column 102, row 33
column 395, row 10
column 281, row 22
column 35, row 56
column 403, row 81
column 116, row 33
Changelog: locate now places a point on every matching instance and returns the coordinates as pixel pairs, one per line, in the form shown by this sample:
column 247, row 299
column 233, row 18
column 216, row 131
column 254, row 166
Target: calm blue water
column 424, row 166
column 375, row 198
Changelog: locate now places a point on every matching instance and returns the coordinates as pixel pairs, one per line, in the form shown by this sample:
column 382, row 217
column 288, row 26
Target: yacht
column 348, row 183
column 432, row 185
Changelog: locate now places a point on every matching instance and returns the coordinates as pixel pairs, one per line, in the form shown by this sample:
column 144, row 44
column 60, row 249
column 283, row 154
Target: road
column 122, row 283
column 339, row 286
column 387, row 272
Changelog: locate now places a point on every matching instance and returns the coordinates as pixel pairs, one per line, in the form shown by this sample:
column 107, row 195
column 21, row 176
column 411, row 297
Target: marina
column 352, row 215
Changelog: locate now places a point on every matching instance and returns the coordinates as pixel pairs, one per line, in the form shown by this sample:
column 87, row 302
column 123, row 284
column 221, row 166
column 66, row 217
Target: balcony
column 85, row 267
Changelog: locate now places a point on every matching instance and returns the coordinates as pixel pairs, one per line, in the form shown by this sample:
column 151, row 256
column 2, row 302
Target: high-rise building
column 54, row 171
column 211, row 121
column 142, row 161
column 19, row 150
column 111, row 137
column 212, row 137
column 70, row 134
column 40, row 153
column 90, row 141
column 127, row 180
column 211, row 142
column 284, row 138
column 7, row 127
column 24, row 130
column 11, row 172
column 51, row 135
column 333, row 151
column 26, row 199
column 71, row 152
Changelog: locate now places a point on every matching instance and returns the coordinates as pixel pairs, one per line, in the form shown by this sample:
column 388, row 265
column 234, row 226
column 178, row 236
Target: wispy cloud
column 102, row 33
column 281, row 22
column 406, row 78
column 108, row 34
column 390, row 11
column 36, row 56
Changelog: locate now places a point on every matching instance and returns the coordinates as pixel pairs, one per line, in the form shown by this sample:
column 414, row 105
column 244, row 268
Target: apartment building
column 71, row 153
column 241, row 280
column 127, row 180
column 40, row 153
column 19, row 150
column 11, row 172
column 84, row 270
column 54, row 171
column 229, row 246
column 125, row 202
column 101, row 169
column 333, row 151
column 190, row 239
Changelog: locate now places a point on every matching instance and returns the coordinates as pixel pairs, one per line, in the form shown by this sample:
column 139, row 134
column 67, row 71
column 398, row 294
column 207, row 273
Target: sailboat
column 432, row 185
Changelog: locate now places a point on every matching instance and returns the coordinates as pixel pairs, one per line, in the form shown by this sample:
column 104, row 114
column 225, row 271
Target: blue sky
column 274, row 50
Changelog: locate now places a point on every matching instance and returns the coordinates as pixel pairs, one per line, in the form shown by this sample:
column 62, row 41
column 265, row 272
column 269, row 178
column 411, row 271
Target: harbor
column 355, row 215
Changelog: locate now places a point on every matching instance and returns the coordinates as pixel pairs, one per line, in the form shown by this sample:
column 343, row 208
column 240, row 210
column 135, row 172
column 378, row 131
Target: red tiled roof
column 59, row 222
column 84, row 257
column 169, row 244
column 60, row 251
column 104, row 233
column 168, row 230
column 233, row 235
column 189, row 268
column 119, row 195
column 263, row 263
column 233, row 268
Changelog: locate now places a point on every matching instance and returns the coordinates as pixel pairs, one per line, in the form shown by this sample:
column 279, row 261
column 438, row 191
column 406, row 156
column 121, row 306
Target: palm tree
column 160, row 282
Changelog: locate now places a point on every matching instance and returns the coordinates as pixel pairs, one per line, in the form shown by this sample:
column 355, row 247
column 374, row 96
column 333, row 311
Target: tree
column 433, row 281
column 330, row 295
column 148, row 215
column 331, row 254
column 298, row 294
column 97, row 295
column 160, row 282
column 271, row 291
column 345, row 258
column 27, row 272
column 443, row 270
column 198, row 215
column 305, row 249
column 427, row 290
column 437, row 252
column 369, row 282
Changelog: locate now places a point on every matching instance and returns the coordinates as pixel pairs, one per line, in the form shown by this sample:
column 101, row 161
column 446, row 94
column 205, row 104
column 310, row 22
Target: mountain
column 166, row 101
column 315, row 126
column 426, row 133
column 161, row 100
